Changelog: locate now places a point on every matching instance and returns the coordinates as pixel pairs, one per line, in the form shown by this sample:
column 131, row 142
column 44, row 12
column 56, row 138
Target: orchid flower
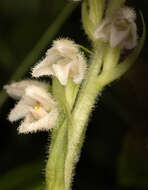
column 36, row 106
column 63, row 60
column 119, row 30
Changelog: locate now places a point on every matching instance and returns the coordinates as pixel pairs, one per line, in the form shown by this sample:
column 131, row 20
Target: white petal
column 17, row 89
column 102, row 31
column 44, row 67
column 45, row 124
column 62, row 72
column 41, row 95
column 19, row 111
column 66, row 48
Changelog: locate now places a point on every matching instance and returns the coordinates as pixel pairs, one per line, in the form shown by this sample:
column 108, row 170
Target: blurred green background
column 115, row 153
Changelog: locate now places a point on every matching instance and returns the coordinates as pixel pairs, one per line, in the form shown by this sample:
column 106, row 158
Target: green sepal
column 71, row 91
column 58, row 92
column 96, row 11
column 87, row 24
column 92, row 13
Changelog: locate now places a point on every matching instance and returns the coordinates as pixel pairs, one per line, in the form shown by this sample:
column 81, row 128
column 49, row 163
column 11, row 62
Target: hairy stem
column 56, row 161
column 83, row 108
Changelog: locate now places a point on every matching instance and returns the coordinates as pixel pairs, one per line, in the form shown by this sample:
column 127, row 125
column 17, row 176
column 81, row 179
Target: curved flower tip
column 37, row 108
column 17, row 89
column 120, row 30
column 63, row 60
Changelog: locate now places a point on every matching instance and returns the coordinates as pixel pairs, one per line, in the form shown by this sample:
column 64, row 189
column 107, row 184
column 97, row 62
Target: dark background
column 115, row 153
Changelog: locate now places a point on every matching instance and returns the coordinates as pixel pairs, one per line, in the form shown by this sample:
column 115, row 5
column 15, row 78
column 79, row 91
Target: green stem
column 41, row 45
column 58, row 146
column 56, row 161
column 82, row 110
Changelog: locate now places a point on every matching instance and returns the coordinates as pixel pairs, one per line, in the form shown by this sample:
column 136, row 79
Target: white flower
column 36, row 106
column 63, row 60
column 119, row 30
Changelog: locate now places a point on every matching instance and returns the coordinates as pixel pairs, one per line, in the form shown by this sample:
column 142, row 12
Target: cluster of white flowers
column 36, row 104
column 120, row 30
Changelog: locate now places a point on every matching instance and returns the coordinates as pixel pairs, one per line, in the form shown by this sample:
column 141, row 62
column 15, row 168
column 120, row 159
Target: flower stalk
column 80, row 115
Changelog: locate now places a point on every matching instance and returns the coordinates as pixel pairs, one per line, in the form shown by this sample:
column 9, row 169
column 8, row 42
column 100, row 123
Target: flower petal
column 17, row 89
column 62, row 72
column 40, row 95
column 44, row 67
column 66, row 48
column 103, row 30
column 19, row 111
column 45, row 124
